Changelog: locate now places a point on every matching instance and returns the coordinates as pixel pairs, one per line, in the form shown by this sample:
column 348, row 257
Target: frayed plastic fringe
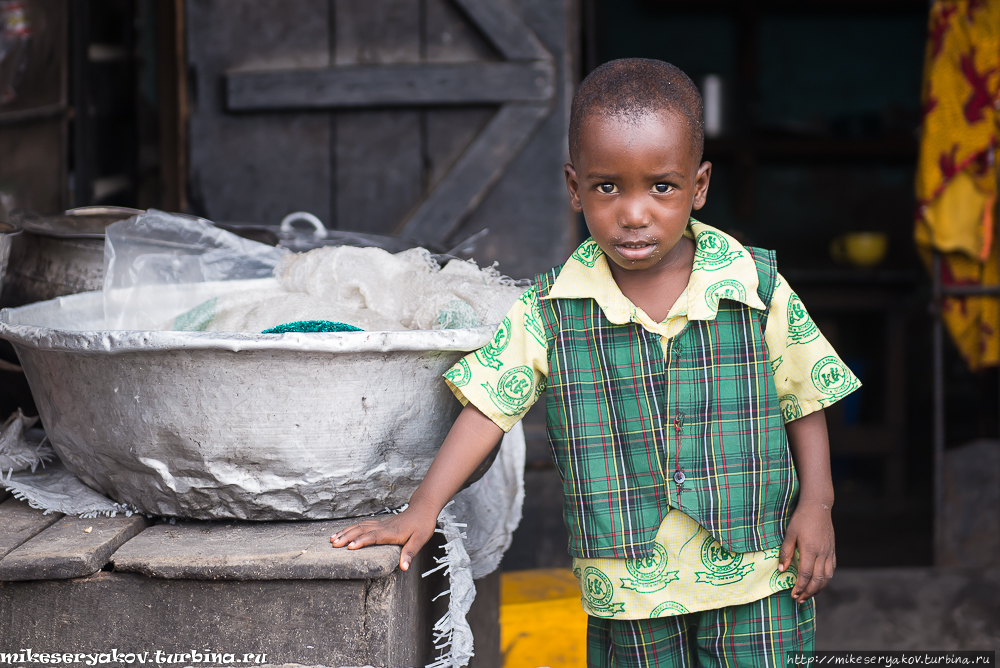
column 93, row 514
column 452, row 634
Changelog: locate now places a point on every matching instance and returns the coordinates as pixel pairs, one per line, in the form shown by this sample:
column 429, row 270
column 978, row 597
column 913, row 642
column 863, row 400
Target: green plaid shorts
column 751, row 635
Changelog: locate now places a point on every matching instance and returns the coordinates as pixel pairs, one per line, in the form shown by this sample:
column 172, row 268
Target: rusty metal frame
column 939, row 292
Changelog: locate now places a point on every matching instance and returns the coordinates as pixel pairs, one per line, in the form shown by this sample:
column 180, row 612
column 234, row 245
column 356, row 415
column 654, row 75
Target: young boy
column 685, row 407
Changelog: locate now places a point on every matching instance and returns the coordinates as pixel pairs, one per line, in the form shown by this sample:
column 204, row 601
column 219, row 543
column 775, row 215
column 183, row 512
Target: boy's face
column 636, row 181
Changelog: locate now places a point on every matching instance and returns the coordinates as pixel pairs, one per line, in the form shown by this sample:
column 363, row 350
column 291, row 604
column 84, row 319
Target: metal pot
column 58, row 255
column 219, row 425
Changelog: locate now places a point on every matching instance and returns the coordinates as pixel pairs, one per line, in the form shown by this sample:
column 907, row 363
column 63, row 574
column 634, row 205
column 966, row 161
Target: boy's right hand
column 468, row 443
column 412, row 528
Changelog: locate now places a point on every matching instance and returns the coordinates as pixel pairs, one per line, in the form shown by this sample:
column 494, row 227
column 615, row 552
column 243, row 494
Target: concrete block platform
column 274, row 591
column 909, row 609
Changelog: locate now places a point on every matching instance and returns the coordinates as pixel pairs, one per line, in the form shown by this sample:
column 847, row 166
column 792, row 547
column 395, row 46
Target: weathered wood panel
column 527, row 209
column 379, row 173
column 33, row 163
column 376, row 31
column 474, row 173
column 379, row 157
column 309, row 622
column 451, row 38
column 484, row 620
column 67, row 550
column 449, row 132
column 20, row 522
column 504, row 27
column 255, row 167
column 252, row 551
column 383, row 167
column 391, row 85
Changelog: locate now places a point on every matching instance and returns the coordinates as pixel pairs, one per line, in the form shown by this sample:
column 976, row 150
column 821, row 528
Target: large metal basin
column 213, row 425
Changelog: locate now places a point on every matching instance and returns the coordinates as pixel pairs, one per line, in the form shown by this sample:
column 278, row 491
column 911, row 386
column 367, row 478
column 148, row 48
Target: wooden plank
column 254, row 168
column 379, row 169
column 36, row 114
column 19, row 522
column 449, row 132
column 390, row 85
column 378, row 159
column 484, row 619
column 449, row 36
column 376, row 31
column 33, row 168
column 311, row 622
column 502, row 25
column 251, row 551
column 526, row 211
column 67, row 550
column 475, row 172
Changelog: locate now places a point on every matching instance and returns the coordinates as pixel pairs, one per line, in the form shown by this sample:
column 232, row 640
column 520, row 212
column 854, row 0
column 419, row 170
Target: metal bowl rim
column 133, row 341
column 12, row 229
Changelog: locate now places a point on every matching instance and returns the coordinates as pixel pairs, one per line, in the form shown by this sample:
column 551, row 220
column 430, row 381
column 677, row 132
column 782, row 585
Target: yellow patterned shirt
column 688, row 571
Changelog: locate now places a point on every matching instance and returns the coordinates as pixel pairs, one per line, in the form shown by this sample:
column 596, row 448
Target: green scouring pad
column 312, row 326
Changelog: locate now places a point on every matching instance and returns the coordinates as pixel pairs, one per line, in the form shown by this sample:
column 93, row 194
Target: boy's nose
column 634, row 214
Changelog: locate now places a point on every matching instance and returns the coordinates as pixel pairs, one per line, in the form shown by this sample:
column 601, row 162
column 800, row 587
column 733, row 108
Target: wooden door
column 430, row 119
column 33, row 105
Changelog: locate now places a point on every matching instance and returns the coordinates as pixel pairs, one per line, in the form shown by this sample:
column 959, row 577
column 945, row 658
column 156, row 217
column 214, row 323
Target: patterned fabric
column 751, row 635
column 611, row 388
column 687, row 570
column 795, row 347
column 957, row 168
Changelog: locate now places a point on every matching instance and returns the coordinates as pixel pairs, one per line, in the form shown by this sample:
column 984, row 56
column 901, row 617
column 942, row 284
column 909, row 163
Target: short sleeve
column 808, row 373
column 506, row 376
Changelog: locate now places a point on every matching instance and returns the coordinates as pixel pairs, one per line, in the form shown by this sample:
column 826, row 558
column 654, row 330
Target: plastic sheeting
column 21, row 447
column 147, row 252
column 169, row 272
column 55, row 490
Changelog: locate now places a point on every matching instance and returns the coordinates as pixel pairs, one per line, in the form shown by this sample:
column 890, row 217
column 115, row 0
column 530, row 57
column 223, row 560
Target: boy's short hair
column 633, row 87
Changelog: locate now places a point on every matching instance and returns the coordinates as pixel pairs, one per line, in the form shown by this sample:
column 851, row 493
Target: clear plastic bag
column 159, row 265
column 165, row 271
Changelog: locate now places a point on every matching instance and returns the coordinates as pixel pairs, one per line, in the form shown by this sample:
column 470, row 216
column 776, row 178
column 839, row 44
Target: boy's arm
column 811, row 527
column 471, row 439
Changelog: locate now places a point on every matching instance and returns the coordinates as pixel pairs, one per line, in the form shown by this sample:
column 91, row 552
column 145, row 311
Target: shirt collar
column 723, row 269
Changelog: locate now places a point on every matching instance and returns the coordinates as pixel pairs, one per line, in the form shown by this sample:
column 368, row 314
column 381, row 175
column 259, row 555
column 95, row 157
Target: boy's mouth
column 635, row 250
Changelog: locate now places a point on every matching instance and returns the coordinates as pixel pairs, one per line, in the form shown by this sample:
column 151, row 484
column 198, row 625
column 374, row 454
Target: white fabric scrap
column 55, row 490
column 452, row 633
column 18, row 452
column 489, row 511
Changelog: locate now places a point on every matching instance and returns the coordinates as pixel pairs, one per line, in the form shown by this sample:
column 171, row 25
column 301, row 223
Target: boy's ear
column 573, row 186
column 701, row 185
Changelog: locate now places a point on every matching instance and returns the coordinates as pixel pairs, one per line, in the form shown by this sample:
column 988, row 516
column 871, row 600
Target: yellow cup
column 862, row 249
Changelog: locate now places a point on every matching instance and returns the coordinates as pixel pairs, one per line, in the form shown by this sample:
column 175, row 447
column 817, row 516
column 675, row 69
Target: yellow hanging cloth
column 956, row 180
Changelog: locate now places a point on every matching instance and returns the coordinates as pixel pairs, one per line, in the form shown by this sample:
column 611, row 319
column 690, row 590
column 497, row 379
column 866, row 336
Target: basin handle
column 12, row 368
column 286, row 223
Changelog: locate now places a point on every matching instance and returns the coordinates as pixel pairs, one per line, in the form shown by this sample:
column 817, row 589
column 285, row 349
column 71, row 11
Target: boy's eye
column 606, row 188
column 662, row 187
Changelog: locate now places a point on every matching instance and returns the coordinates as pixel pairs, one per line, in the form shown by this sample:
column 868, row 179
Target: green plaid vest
column 615, row 406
